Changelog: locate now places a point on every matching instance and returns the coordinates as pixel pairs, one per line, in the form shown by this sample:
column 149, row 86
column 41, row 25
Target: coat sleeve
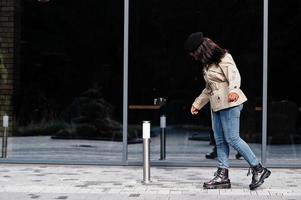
column 203, row 98
column 231, row 72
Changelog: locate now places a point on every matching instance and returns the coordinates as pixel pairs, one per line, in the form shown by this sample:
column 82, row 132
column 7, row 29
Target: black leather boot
column 259, row 174
column 238, row 156
column 220, row 181
column 212, row 155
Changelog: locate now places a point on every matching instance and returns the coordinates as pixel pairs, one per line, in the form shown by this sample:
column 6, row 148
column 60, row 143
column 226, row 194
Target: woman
column 226, row 100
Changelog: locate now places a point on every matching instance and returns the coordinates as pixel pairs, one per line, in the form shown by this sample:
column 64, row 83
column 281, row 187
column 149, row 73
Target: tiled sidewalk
column 47, row 182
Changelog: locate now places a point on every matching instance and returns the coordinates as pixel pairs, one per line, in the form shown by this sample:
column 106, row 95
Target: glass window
column 284, row 130
column 69, row 99
column 159, row 68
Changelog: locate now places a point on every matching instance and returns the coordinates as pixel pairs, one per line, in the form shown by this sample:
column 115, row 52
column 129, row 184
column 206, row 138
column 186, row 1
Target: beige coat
column 220, row 80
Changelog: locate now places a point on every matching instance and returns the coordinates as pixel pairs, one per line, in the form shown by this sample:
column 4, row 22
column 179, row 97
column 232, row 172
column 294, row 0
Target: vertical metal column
column 4, row 139
column 265, row 81
column 163, row 137
column 146, row 151
column 125, row 81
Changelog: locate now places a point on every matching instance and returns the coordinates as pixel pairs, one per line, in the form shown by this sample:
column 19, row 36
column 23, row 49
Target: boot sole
column 220, row 186
column 261, row 181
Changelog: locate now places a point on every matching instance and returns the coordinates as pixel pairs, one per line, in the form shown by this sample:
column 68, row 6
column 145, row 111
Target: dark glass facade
column 71, row 104
column 283, row 124
column 159, row 68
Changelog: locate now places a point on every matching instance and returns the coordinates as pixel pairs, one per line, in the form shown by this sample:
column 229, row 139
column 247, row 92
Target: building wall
column 7, row 55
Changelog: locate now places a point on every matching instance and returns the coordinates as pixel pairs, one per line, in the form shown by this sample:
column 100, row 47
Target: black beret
column 193, row 41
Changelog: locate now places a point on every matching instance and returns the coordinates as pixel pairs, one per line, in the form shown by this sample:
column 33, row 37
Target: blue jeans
column 226, row 132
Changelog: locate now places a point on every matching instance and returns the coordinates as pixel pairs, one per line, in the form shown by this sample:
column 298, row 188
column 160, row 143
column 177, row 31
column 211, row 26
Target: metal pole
column 4, row 139
column 163, row 137
column 125, row 80
column 265, row 82
column 146, row 152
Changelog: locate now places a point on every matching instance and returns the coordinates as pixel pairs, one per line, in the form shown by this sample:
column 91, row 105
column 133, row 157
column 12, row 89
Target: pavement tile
column 51, row 182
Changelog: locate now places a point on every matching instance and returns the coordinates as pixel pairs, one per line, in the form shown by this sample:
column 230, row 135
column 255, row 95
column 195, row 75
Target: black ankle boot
column 220, row 181
column 259, row 174
column 212, row 154
column 238, row 156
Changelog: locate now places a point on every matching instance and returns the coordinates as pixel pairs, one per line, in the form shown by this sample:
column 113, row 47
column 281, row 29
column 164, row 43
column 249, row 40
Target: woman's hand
column 193, row 110
column 232, row 97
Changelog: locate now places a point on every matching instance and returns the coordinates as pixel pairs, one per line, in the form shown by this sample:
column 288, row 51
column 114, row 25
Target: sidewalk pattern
column 47, row 182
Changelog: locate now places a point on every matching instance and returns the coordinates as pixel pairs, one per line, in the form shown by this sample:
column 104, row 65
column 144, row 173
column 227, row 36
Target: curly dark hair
column 209, row 52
